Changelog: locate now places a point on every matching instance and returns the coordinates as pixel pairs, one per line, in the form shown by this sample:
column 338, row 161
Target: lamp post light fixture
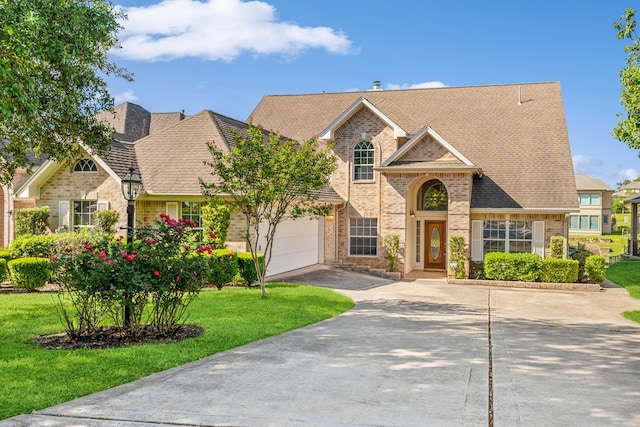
column 131, row 185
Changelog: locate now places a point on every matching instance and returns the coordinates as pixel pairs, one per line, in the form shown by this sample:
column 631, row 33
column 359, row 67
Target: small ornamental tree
column 269, row 179
column 391, row 245
column 30, row 221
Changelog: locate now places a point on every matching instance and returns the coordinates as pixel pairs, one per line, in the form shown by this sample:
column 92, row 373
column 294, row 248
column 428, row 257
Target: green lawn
column 33, row 378
column 627, row 274
column 617, row 246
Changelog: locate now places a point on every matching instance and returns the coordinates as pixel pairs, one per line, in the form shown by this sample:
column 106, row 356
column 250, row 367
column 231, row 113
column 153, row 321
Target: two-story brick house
column 489, row 163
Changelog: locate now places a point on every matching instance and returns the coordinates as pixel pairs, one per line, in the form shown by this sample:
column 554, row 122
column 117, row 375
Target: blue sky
column 225, row 55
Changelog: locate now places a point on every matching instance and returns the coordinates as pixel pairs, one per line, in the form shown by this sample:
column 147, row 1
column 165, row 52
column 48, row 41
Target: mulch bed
column 110, row 337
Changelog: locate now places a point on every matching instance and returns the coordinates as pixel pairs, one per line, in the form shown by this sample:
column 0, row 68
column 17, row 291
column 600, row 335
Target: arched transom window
column 363, row 155
column 433, row 196
column 85, row 166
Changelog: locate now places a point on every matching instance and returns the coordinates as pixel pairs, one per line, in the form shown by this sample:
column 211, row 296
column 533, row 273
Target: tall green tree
column 628, row 129
column 269, row 179
column 53, row 60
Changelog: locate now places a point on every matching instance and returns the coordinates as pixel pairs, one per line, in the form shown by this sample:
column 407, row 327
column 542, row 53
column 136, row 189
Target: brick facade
column 392, row 197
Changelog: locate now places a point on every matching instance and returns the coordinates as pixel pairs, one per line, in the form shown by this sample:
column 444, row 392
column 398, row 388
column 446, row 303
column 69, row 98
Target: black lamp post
column 131, row 186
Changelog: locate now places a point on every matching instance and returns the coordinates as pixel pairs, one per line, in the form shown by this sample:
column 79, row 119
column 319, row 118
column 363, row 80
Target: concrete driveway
column 411, row 353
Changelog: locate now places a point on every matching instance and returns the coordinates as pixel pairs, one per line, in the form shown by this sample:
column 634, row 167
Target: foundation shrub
column 3, row 269
column 524, row 267
column 246, row 267
column 31, row 220
column 5, row 254
column 32, row 245
column 223, row 267
column 30, row 273
column 557, row 247
column 581, row 254
column 595, row 268
column 556, row 270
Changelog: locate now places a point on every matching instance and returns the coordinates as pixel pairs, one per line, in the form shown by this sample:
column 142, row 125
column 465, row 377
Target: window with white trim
column 85, row 166
column 589, row 199
column 363, row 237
column 83, row 213
column 192, row 211
column 584, row 222
column 363, row 157
column 507, row 236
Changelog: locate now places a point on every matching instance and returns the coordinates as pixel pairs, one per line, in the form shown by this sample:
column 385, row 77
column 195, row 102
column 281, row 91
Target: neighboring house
column 594, row 199
column 489, row 163
column 169, row 152
column 628, row 190
column 9, row 204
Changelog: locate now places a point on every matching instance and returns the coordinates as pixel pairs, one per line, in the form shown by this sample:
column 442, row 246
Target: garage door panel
column 296, row 245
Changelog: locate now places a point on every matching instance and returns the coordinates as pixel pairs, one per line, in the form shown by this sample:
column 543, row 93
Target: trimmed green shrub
column 30, row 273
column 595, row 268
column 557, row 247
column 3, row 269
column 5, row 254
column 456, row 251
column 556, row 270
column 32, row 220
column 32, row 246
column 581, row 254
column 223, row 267
column 524, row 267
column 105, row 221
column 246, row 267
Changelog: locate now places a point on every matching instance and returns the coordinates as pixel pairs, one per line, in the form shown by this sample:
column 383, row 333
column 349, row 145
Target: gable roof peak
column 361, row 102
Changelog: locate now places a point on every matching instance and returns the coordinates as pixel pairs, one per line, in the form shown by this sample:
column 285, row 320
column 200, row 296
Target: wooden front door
column 435, row 240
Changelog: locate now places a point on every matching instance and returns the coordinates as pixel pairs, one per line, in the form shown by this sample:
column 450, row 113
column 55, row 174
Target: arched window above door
column 433, row 196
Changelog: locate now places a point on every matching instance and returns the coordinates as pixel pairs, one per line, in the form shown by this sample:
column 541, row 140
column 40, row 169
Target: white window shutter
column 538, row 238
column 476, row 240
column 172, row 210
column 102, row 205
column 63, row 215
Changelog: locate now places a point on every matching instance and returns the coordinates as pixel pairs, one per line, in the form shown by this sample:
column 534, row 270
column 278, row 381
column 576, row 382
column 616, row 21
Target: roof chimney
column 376, row 85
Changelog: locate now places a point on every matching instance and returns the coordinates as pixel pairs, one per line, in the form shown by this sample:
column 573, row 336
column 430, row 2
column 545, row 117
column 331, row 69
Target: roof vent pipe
column 376, row 85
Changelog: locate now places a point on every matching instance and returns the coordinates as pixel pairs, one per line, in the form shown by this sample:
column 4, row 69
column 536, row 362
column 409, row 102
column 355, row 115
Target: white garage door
column 297, row 244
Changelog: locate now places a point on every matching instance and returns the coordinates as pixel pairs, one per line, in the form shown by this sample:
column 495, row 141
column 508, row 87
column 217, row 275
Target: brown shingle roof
column 584, row 182
column 172, row 160
column 523, row 149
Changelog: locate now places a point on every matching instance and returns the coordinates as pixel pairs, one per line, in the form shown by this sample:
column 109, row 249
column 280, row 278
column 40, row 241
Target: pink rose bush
column 157, row 277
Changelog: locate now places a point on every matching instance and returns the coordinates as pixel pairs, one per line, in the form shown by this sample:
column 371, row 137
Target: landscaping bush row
column 25, row 260
column 528, row 267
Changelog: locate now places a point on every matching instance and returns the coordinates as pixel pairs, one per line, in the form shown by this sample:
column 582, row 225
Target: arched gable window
column 363, row 155
column 85, row 166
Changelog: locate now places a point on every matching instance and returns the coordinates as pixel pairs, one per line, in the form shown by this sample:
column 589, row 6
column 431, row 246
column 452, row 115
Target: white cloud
column 629, row 173
column 218, row 30
column 127, row 96
column 423, row 85
column 585, row 164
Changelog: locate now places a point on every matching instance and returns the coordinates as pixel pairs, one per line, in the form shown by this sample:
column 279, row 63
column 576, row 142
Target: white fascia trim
column 328, row 133
column 102, row 163
column 417, row 137
column 31, row 187
column 523, row 210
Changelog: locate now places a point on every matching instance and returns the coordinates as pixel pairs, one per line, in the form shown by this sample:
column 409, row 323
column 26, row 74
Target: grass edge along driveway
column 626, row 273
column 33, row 378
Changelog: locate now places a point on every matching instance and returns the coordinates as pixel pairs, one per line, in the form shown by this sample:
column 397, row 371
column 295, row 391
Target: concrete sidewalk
column 411, row 353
